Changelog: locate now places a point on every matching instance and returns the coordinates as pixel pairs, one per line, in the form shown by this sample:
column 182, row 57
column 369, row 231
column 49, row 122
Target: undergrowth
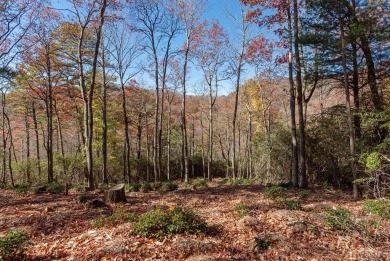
column 241, row 210
column 121, row 216
column 159, row 223
column 13, row 245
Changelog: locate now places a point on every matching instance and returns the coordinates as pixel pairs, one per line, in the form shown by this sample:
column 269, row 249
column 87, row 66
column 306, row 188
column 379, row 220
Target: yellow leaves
column 251, row 94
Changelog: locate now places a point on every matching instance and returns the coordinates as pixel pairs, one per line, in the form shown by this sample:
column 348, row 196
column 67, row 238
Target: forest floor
column 63, row 229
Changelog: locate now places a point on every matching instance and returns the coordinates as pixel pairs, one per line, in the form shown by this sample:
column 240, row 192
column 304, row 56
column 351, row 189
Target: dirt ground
column 63, row 229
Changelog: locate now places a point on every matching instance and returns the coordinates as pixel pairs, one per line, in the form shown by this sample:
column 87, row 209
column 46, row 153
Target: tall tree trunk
column 49, row 116
column 160, row 131
column 193, row 147
column 210, row 138
column 11, row 149
column 35, row 122
column 294, row 147
column 228, row 149
column 356, row 117
column 250, row 146
column 126, row 156
column 139, row 142
column 239, row 152
column 147, row 147
column 348, row 111
column 238, row 83
column 301, row 119
column 202, row 141
column 4, row 138
column 156, row 148
column 184, row 112
column 104, row 118
column 371, row 72
column 61, row 140
column 169, row 143
column 102, row 10
column 28, row 168
column 11, row 175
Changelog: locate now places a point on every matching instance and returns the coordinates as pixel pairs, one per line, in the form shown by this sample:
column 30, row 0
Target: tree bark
column 104, row 118
column 28, row 168
column 116, row 194
column 91, row 182
column 183, row 108
column 35, row 121
column 301, row 119
column 356, row 102
column 4, row 138
column 371, row 72
column 49, row 116
column 61, row 140
column 348, row 111
column 126, row 151
column 294, row 147
column 169, row 142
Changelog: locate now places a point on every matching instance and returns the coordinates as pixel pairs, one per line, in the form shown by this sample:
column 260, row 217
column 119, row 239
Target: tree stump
column 116, row 194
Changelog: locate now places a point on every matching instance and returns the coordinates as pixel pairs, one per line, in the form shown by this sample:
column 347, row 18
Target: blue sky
column 215, row 10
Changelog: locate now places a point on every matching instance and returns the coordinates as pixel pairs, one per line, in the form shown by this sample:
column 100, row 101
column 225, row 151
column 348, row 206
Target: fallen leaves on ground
column 62, row 229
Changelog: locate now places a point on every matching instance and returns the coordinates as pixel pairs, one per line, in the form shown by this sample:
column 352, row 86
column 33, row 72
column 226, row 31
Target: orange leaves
column 290, row 235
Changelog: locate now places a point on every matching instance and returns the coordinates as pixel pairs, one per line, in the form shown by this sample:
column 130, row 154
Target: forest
column 148, row 130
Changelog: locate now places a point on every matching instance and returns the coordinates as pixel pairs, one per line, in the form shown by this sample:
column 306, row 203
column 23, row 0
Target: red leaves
column 282, row 58
column 211, row 43
column 258, row 48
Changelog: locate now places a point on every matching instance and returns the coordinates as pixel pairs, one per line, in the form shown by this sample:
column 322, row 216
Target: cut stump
column 116, row 194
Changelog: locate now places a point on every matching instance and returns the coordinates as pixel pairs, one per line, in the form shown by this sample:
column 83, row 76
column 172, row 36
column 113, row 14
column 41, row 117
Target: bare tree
column 244, row 26
column 16, row 19
column 159, row 26
column 125, row 50
column 189, row 12
column 348, row 108
column 211, row 55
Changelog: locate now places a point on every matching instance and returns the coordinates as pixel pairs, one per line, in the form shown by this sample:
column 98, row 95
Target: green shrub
column 241, row 181
column 303, row 195
column 156, row 185
column 152, row 223
column 39, row 189
column 273, row 191
column 224, row 181
column 78, row 186
column 185, row 221
column 83, row 198
column 187, row 184
column 146, row 187
column 293, row 205
column 378, row 207
column 13, row 244
column 168, row 186
column 121, row 216
column 248, row 181
column 200, row 183
column 55, row 188
column 235, row 181
column 158, row 223
column 339, row 218
column 22, row 188
column 241, row 210
column 134, row 187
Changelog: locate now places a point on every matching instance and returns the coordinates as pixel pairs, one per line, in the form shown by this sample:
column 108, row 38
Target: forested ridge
column 142, row 130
